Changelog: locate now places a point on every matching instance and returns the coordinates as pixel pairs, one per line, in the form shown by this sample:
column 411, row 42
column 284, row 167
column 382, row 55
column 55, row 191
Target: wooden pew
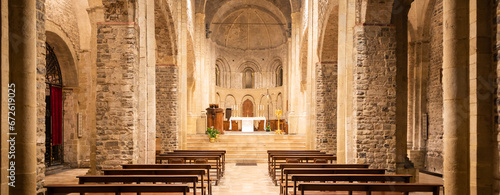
column 344, row 177
column 115, row 188
column 306, row 158
column 173, row 166
column 317, row 165
column 321, row 171
column 215, row 158
column 197, row 172
column 222, row 156
column 271, row 152
column 138, row 179
column 221, row 151
column 370, row 187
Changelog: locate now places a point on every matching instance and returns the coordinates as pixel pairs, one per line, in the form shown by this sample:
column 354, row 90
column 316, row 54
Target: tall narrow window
column 279, row 76
column 217, row 75
column 248, row 78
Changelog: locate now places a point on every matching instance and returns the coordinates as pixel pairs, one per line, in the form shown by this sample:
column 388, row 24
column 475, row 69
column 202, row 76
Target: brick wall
column 375, row 96
column 434, row 155
column 40, row 95
column 166, row 106
column 326, row 107
column 117, row 96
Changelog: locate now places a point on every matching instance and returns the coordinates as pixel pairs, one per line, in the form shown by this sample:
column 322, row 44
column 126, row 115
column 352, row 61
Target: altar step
column 247, row 148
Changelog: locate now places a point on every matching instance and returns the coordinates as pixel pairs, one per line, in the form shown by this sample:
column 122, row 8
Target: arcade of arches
column 401, row 84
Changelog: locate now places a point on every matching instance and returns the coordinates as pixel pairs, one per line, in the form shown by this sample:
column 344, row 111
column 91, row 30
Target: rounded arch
column 166, row 42
column 327, row 48
column 377, row 12
column 246, row 98
column 224, row 72
column 249, row 63
column 217, row 98
column 230, row 101
column 65, row 55
column 279, row 101
column 267, row 103
column 277, row 72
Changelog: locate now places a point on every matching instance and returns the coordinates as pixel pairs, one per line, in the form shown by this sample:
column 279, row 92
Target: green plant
column 212, row 133
column 268, row 128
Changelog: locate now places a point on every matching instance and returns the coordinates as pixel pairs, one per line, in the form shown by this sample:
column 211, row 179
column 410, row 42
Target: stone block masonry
column 434, row 147
column 375, row 96
column 167, row 106
column 40, row 95
column 326, row 106
column 117, row 95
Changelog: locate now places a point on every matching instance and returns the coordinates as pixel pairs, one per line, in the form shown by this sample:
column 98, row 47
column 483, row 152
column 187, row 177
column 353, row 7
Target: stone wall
column 375, row 96
column 166, row 106
column 40, row 94
column 62, row 14
column 70, row 129
column 434, row 155
column 117, row 96
column 326, row 107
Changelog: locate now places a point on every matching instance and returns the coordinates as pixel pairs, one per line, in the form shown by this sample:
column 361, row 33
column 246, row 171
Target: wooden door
column 247, row 108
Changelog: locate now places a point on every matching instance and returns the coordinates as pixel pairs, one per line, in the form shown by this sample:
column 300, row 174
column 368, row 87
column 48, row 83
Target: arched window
column 248, row 78
column 279, row 76
column 217, row 75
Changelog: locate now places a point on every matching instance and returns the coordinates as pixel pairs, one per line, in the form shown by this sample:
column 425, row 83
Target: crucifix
column 268, row 96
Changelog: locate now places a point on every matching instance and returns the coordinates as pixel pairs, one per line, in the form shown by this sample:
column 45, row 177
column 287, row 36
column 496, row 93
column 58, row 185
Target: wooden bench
column 215, row 158
column 116, row 188
column 173, row 166
column 223, row 152
column 222, row 157
column 138, row 179
column 306, row 158
column 197, row 172
column 344, row 177
column 369, row 187
column 322, row 171
column 288, row 152
column 317, row 165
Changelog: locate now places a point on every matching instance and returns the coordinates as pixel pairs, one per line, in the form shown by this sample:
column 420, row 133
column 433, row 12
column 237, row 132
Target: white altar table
column 246, row 122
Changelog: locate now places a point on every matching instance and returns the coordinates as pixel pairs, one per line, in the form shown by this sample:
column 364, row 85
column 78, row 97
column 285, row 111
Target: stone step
column 247, row 148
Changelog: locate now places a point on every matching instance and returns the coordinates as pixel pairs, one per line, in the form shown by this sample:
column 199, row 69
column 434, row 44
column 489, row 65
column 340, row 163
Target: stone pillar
column 375, row 96
column 411, row 93
column 294, row 75
column 22, row 62
column 345, row 142
column 455, row 96
column 481, row 90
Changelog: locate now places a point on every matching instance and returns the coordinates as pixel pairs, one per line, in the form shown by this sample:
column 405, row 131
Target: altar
column 246, row 122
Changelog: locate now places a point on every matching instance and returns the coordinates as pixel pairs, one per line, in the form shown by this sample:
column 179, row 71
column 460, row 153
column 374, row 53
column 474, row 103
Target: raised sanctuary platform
column 247, row 147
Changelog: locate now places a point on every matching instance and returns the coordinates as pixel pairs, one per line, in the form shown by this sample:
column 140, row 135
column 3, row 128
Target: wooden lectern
column 215, row 118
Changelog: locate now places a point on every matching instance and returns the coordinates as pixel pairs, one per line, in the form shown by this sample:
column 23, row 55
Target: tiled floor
column 238, row 180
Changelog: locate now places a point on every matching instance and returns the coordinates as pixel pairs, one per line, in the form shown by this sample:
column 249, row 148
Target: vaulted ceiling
column 211, row 7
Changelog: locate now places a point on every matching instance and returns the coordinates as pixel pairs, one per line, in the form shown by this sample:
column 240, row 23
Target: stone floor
column 238, row 180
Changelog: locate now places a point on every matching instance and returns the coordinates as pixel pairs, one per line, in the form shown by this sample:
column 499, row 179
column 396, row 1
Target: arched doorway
column 53, row 117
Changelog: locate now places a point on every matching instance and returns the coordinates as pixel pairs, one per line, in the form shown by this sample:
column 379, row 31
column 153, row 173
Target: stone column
column 345, row 142
column 22, row 60
column 294, row 75
column 411, row 93
column 481, row 75
column 455, row 96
